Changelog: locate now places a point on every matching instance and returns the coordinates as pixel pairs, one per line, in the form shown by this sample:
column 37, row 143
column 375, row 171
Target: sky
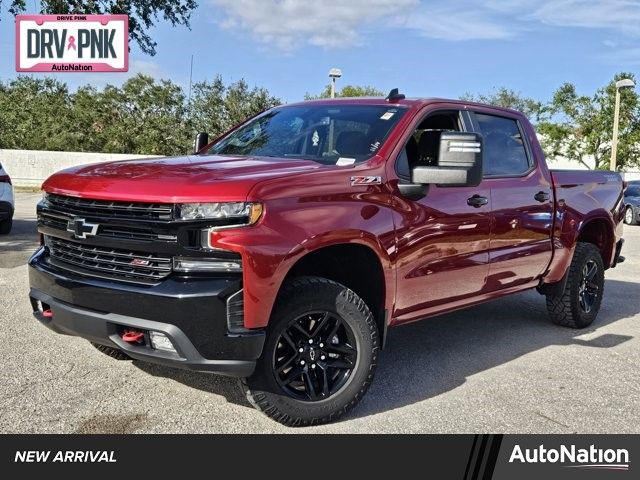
column 439, row 48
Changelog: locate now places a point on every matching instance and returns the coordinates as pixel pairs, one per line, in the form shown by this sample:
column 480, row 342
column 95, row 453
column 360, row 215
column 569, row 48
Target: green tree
column 142, row 13
column 507, row 98
column 34, row 114
column 216, row 108
column 143, row 115
column 347, row 91
column 580, row 128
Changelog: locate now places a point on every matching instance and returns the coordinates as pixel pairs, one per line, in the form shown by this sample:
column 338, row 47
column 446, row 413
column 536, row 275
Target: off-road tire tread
column 559, row 306
column 296, row 288
column 5, row 226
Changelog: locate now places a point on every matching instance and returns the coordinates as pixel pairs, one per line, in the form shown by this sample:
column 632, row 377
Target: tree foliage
column 581, row 126
column 151, row 116
column 142, row 13
column 143, row 115
column 215, row 108
column 347, row 91
column 507, row 98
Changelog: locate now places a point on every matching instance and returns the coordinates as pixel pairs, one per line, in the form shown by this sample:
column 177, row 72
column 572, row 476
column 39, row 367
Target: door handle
column 542, row 196
column 477, row 201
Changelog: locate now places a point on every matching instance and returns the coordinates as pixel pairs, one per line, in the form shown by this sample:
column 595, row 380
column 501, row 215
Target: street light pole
column 333, row 74
column 624, row 83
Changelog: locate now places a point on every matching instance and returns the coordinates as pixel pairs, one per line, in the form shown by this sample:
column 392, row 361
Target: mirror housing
column 202, row 140
column 459, row 162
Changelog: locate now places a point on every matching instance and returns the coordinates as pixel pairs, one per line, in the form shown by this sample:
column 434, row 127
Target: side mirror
column 459, row 162
column 202, row 139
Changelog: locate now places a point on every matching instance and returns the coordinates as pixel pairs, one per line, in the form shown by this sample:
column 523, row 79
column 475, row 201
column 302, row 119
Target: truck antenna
column 395, row 95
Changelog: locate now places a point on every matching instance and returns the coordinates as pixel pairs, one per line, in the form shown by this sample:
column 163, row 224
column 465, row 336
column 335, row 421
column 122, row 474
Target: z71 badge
column 368, row 180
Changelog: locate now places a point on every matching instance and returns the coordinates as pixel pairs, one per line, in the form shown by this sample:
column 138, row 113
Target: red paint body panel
column 437, row 253
column 582, row 198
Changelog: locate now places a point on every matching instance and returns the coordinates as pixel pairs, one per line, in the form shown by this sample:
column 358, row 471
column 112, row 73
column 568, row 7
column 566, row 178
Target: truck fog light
column 160, row 341
column 206, row 265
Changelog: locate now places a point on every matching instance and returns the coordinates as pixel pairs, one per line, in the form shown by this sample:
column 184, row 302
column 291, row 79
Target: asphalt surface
column 498, row 367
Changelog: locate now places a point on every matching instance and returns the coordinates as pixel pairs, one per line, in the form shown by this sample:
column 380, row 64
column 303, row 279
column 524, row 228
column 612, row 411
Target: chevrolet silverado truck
column 283, row 251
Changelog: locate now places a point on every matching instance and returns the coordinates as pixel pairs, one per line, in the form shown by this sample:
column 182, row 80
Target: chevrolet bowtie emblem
column 81, row 229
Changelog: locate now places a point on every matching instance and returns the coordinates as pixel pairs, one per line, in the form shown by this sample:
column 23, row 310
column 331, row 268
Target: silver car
column 6, row 202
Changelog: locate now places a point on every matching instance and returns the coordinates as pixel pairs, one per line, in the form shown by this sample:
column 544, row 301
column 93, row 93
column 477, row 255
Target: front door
column 442, row 239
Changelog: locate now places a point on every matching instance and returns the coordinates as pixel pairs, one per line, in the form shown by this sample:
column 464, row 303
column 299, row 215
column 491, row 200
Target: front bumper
column 190, row 311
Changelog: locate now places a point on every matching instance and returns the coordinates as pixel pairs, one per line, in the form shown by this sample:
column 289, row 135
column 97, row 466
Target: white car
column 6, row 202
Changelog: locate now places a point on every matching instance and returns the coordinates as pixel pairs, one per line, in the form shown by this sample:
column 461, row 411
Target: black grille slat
column 116, row 263
column 60, row 204
column 60, row 221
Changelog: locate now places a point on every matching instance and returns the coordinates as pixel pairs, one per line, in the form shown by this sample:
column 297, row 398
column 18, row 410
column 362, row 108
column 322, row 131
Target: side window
column 504, row 150
column 423, row 146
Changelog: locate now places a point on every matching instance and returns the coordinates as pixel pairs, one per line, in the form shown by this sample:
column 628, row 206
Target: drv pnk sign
column 72, row 43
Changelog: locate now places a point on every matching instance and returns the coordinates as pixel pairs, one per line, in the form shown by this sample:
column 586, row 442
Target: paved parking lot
column 498, row 367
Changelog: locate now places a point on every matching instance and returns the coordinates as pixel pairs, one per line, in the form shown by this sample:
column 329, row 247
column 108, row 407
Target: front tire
column 319, row 357
column 5, row 226
column 578, row 304
column 629, row 217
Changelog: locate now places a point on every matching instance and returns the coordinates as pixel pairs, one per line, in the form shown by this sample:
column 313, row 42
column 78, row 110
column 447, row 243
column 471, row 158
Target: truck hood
column 175, row 179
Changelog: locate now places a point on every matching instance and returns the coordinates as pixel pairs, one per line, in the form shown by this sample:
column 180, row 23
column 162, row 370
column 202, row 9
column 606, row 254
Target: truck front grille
column 107, row 262
column 61, row 222
column 72, row 206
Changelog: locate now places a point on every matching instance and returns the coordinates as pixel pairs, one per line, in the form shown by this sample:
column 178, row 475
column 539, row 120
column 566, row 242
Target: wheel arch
column 356, row 265
column 599, row 231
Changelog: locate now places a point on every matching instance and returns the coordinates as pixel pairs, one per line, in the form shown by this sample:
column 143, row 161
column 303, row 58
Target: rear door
column 522, row 202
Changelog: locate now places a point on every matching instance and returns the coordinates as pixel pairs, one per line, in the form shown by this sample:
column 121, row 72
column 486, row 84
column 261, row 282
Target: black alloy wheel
column 588, row 290
column 315, row 356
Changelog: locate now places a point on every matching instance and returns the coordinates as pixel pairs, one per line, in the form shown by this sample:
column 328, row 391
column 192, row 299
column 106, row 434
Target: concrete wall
column 29, row 168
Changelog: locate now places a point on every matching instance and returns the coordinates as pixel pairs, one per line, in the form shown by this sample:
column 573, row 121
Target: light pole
column 620, row 84
column 333, row 74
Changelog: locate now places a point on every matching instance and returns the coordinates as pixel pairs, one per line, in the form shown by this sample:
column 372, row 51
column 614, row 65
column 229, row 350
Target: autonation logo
column 574, row 457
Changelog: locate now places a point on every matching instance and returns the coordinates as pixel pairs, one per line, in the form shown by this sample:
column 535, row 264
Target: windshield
column 336, row 134
column 632, row 191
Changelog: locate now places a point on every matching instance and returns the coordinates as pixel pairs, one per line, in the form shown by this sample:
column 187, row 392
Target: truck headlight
column 240, row 213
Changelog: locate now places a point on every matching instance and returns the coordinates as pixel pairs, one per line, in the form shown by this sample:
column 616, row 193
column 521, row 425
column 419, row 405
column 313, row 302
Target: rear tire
column 111, row 352
column 578, row 304
column 319, row 357
column 629, row 217
column 5, row 226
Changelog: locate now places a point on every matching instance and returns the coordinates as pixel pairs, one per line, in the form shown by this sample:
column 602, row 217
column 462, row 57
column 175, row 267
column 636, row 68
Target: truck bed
column 581, row 196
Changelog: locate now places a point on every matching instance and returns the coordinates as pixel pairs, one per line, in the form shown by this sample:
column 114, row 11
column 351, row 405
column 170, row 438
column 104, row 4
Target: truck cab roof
column 412, row 103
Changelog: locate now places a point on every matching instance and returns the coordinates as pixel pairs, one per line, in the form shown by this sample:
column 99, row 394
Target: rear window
column 632, row 191
column 504, row 150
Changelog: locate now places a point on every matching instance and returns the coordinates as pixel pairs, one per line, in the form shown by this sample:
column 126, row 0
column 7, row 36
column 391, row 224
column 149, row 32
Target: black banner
column 466, row 457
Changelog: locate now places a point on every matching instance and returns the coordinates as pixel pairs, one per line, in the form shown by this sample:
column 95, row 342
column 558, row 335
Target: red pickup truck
column 283, row 251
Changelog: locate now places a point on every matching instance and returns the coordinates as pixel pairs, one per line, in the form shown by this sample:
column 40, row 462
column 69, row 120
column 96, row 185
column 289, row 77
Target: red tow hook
column 132, row 336
column 47, row 313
